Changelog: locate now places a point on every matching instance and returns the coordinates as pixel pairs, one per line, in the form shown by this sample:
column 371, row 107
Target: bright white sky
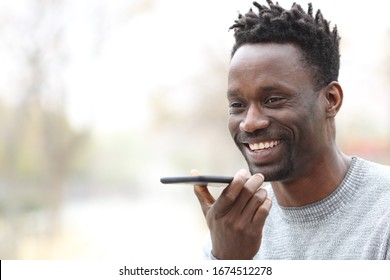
column 109, row 84
column 164, row 48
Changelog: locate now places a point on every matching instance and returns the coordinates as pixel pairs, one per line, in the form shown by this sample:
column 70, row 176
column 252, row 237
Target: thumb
column 204, row 196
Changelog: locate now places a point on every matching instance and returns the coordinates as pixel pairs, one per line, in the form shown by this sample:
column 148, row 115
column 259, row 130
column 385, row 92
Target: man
column 283, row 96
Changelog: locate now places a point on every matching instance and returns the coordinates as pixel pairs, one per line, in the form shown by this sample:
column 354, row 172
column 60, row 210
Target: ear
column 334, row 98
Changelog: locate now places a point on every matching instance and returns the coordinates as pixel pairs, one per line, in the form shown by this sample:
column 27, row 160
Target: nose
column 254, row 120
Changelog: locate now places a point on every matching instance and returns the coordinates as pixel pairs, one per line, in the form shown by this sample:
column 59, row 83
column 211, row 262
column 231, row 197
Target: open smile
column 263, row 152
column 261, row 146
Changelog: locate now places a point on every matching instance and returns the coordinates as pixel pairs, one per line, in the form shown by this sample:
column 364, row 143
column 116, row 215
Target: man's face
column 275, row 118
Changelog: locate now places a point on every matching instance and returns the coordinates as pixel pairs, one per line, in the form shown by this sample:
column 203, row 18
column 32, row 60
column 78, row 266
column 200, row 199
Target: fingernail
column 260, row 175
column 243, row 173
column 194, row 172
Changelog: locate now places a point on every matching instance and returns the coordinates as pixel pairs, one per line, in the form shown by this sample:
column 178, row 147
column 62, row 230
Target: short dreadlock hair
column 319, row 45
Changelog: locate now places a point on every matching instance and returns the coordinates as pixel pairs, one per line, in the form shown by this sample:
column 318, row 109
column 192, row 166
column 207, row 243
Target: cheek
column 233, row 125
column 307, row 131
column 315, row 120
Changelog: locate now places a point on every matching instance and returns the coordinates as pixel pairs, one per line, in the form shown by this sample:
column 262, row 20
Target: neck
column 319, row 181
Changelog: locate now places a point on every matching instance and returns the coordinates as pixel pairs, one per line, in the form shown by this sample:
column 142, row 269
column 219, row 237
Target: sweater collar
column 326, row 207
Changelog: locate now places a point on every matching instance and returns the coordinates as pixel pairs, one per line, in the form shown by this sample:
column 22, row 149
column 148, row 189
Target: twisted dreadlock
column 312, row 34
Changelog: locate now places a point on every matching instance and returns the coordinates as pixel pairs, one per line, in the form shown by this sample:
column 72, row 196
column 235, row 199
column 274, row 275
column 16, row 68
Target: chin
column 271, row 173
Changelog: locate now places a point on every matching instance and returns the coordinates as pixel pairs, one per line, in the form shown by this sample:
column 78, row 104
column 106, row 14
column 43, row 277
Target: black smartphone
column 201, row 180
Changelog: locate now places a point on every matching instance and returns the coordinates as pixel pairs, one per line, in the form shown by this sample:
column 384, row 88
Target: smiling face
column 276, row 117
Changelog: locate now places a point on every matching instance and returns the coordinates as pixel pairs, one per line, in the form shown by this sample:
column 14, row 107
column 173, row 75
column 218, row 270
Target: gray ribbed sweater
column 352, row 223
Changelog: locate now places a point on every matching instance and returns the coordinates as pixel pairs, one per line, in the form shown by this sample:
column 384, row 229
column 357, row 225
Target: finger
column 202, row 193
column 250, row 188
column 229, row 195
column 256, row 200
column 262, row 212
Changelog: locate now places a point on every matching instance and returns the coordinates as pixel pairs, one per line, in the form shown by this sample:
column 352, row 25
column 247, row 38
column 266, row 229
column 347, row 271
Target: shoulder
column 375, row 184
column 374, row 172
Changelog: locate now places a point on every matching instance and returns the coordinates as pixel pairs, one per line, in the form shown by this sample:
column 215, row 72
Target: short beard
column 283, row 171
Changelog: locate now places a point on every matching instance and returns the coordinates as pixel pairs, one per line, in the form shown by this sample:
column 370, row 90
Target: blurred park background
column 99, row 99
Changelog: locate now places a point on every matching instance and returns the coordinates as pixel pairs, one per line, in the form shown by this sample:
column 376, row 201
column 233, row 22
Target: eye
column 236, row 107
column 273, row 100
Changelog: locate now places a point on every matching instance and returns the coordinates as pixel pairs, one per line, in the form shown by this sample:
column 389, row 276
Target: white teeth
column 263, row 145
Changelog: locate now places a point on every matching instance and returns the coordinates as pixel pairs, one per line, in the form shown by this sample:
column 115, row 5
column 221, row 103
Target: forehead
column 268, row 61
column 262, row 52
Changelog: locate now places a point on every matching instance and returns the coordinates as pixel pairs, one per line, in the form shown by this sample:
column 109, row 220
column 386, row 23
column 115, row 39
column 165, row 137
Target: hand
column 237, row 217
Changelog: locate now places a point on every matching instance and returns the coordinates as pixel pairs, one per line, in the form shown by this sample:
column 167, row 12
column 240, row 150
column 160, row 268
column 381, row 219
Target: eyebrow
column 233, row 93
